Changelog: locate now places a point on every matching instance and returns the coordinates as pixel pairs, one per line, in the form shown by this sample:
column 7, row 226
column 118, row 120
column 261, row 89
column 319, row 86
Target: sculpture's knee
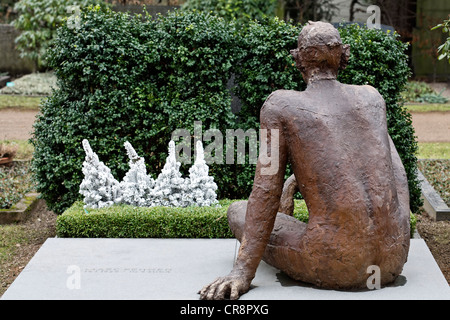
column 290, row 187
column 236, row 218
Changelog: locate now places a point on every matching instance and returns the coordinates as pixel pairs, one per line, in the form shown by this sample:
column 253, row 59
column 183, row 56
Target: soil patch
column 39, row 227
column 437, row 237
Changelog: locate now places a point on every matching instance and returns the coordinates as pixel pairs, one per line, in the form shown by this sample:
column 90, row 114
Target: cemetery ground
column 19, row 242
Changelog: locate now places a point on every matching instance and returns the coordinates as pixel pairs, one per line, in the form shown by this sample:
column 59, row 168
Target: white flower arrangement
column 101, row 189
column 136, row 185
column 202, row 187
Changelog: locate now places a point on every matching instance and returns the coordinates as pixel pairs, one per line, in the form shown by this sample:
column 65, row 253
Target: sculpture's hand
column 232, row 285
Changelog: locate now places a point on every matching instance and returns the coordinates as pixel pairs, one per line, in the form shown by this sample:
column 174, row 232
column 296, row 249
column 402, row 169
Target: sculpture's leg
column 285, row 237
column 290, row 251
column 283, row 223
column 290, row 187
column 237, row 210
column 236, row 218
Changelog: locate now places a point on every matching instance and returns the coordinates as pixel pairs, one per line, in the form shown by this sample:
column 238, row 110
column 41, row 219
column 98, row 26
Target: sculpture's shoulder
column 277, row 103
column 281, row 99
column 369, row 94
column 366, row 102
column 280, row 96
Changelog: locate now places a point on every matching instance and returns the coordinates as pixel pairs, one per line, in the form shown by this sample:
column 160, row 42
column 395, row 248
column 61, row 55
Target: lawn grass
column 434, row 150
column 424, row 107
column 19, row 102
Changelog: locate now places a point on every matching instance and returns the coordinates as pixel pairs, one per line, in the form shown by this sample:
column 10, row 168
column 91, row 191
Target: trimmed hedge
column 123, row 221
column 155, row 222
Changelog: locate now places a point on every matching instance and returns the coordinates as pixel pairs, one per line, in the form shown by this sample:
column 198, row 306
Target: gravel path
column 16, row 124
column 432, row 126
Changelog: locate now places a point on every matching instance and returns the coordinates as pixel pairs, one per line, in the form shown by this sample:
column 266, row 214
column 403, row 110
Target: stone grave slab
column 175, row 269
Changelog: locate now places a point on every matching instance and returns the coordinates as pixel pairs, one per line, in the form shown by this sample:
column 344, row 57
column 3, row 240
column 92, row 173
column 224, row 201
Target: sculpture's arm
column 262, row 209
column 264, row 200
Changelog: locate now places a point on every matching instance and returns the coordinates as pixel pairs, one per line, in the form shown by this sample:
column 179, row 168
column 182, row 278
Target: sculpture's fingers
column 212, row 289
column 222, row 290
column 234, row 295
column 202, row 291
column 205, row 290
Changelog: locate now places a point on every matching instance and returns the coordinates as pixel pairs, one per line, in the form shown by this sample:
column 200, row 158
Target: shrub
column 444, row 49
column 34, row 84
column 412, row 224
column 266, row 66
column 432, row 98
column 414, row 89
column 123, row 78
column 140, row 222
column 15, row 182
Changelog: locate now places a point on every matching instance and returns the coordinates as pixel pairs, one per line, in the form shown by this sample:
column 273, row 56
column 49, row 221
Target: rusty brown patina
column 345, row 166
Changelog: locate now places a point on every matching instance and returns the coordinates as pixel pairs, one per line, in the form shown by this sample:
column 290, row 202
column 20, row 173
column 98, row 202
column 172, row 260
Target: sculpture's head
column 320, row 53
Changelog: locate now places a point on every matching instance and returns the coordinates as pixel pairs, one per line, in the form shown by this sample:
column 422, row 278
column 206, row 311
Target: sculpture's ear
column 294, row 53
column 296, row 56
column 345, row 56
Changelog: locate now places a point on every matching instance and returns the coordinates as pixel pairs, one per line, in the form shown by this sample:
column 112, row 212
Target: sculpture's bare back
column 347, row 169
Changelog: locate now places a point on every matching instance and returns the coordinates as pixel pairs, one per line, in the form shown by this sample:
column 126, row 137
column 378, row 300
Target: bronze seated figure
column 345, row 166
